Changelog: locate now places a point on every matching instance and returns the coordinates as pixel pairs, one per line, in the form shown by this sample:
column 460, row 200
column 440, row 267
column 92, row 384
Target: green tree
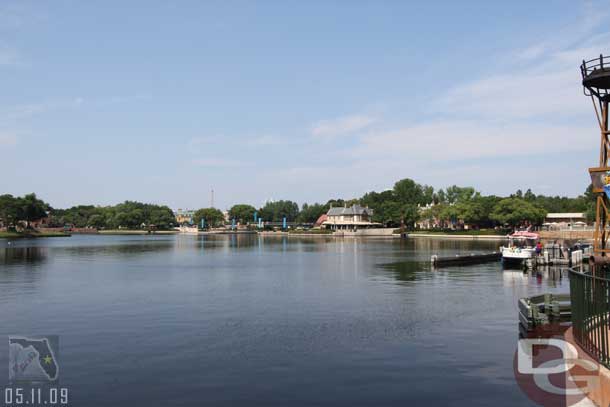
column 408, row 191
column 517, row 211
column 311, row 213
column 97, row 221
column 590, row 202
column 276, row 211
column 10, row 210
column 242, row 213
column 213, row 217
column 456, row 194
column 477, row 211
column 162, row 217
column 451, row 213
column 439, row 197
column 32, row 208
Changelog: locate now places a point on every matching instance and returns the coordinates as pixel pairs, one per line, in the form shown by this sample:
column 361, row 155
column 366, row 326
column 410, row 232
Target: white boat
column 521, row 247
column 190, row 230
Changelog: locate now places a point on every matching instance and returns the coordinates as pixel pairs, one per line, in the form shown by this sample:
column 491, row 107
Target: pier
column 464, row 260
column 544, row 309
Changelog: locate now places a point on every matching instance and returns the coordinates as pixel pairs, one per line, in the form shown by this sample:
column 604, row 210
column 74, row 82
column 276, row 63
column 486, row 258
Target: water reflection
column 266, row 312
column 545, row 276
column 23, row 255
column 118, row 251
column 407, row 270
column 454, row 246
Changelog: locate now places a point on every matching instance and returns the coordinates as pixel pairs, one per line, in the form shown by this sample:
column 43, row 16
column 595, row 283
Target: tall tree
column 516, row 212
column 242, row 213
column 408, row 191
column 213, row 217
column 10, row 211
column 32, row 208
column 311, row 213
column 276, row 211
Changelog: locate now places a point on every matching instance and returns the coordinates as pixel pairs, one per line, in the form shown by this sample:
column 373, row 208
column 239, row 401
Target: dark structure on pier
column 590, row 287
column 596, row 83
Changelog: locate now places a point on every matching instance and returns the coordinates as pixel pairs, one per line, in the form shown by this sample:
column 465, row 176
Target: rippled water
column 269, row 321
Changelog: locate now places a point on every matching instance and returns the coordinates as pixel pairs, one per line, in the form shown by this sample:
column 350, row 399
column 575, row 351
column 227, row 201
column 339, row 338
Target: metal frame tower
column 596, row 83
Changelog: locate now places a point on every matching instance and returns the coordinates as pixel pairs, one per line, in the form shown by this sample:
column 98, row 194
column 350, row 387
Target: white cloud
column 267, row 140
column 461, row 140
column 550, row 89
column 28, row 110
column 196, row 142
column 341, row 125
column 216, row 163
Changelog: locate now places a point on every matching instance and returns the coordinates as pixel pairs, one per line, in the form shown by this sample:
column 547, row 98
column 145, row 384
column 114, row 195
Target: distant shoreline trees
column 212, row 217
column 26, row 209
column 407, row 203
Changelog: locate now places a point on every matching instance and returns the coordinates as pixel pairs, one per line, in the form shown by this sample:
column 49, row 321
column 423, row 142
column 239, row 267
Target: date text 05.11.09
column 35, row 396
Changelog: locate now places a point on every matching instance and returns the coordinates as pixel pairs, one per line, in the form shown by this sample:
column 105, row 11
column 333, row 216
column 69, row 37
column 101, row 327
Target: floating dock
column 544, row 309
column 464, row 260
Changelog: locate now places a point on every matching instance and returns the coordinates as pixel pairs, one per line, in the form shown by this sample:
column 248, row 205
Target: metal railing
column 590, row 67
column 590, row 303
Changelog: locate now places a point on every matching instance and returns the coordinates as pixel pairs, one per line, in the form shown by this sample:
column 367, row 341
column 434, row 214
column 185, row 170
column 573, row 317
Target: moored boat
column 521, row 247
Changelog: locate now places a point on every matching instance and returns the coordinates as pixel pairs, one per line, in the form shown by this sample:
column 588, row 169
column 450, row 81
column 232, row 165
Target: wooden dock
column 464, row 260
column 544, row 309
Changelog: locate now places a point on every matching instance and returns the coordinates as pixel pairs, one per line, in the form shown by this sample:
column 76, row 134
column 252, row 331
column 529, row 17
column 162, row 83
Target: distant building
column 349, row 218
column 564, row 220
column 184, row 216
column 565, row 217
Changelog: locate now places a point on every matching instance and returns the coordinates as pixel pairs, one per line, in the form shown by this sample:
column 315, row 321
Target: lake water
column 268, row 321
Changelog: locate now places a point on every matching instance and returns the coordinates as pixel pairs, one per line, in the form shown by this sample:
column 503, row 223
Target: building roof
column 321, row 220
column 350, row 211
column 564, row 215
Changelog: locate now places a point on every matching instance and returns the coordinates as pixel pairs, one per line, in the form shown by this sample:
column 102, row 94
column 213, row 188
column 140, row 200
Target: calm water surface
column 268, row 321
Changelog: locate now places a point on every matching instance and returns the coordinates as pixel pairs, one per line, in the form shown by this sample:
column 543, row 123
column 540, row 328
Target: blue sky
column 162, row 101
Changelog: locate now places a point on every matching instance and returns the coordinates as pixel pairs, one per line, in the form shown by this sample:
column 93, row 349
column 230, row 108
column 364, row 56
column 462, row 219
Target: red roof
column 320, row 220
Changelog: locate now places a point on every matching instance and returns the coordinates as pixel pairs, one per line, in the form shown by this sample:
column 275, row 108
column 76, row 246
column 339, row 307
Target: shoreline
column 446, row 236
column 131, row 232
column 17, row 235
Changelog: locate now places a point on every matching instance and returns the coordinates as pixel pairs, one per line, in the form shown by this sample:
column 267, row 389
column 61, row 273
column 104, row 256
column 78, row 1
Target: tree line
column 407, row 203
column 15, row 211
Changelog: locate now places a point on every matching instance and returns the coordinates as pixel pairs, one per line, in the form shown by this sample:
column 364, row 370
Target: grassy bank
column 18, row 235
column 136, row 232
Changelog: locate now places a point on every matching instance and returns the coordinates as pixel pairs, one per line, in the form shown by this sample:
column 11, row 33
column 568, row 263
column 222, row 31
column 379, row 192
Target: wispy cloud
column 9, row 56
column 525, row 111
column 217, row 163
column 268, row 140
column 462, row 140
column 28, row 110
column 341, row 126
column 195, row 142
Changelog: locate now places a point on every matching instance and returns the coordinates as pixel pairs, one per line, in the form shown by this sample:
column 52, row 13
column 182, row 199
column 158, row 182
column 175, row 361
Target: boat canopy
column 524, row 235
